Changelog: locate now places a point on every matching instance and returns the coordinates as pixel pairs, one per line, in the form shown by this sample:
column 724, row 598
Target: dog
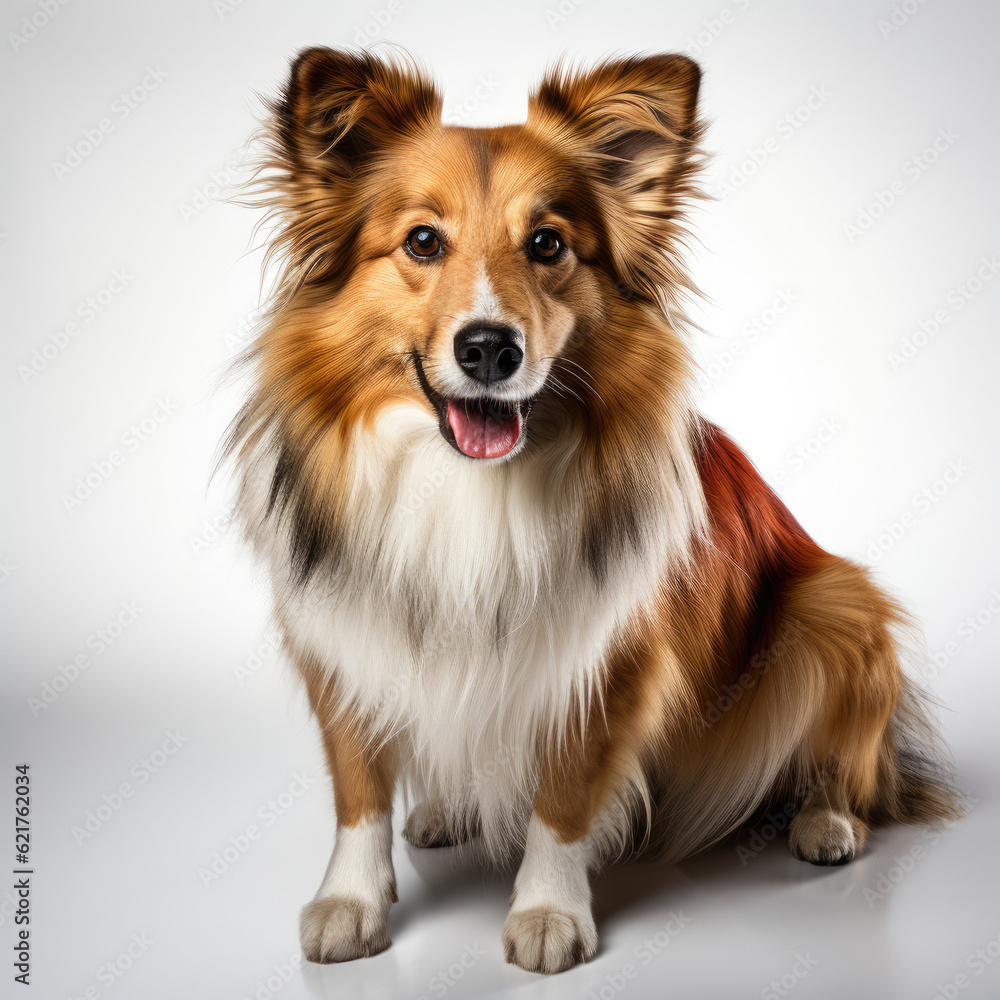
column 519, row 575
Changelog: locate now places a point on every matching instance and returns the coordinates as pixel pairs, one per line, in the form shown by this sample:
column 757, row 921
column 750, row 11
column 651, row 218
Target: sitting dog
column 516, row 570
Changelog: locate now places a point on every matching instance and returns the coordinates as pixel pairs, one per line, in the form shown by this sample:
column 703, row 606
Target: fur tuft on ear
column 340, row 107
column 337, row 112
column 634, row 124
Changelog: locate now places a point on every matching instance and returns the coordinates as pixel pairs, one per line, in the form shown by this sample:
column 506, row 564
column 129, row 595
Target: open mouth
column 484, row 428
column 480, row 427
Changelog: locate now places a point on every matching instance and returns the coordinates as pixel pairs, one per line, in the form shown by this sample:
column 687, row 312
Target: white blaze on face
column 486, row 418
column 485, row 307
column 485, row 304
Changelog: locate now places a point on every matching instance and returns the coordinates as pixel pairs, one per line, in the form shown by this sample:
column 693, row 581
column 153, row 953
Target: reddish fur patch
column 750, row 524
column 728, row 612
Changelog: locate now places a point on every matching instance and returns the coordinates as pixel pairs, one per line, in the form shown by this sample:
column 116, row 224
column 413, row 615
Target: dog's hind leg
column 822, row 718
column 824, row 831
column 870, row 755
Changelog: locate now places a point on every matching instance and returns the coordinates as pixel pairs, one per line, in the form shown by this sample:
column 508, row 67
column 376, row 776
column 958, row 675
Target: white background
column 849, row 440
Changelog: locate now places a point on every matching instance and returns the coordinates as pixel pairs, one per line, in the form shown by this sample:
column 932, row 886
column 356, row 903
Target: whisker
column 562, row 389
column 584, row 379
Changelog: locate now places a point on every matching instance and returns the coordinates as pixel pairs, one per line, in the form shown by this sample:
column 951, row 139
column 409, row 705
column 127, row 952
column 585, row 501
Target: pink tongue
column 482, row 436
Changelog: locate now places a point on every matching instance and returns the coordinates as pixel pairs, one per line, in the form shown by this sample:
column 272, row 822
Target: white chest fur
column 464, row 618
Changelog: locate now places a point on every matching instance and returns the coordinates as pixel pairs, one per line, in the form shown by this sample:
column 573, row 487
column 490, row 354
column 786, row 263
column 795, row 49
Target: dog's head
column 477, row 270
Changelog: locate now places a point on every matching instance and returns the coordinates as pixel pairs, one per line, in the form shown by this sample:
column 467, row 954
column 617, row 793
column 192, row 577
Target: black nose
column 488, row 353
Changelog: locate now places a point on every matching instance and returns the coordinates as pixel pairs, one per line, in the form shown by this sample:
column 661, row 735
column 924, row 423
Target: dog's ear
column 340, row 108
column 336, row 114
column 635, row 123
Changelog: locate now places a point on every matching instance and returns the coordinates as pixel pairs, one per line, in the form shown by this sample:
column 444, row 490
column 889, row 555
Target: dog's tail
column 916, row 776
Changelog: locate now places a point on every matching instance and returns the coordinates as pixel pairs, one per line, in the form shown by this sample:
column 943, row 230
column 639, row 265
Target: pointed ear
column 339, row 108
column 634, row 123
column 337, row 112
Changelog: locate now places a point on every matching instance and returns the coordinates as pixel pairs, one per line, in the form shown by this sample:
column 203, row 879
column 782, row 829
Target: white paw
column 550, row 926
column 429, row 825
column 337, row 929
column 349, row 918
column 822, row 837
column 543, row 940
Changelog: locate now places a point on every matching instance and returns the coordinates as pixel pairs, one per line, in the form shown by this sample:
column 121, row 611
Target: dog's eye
column 546, row 245
column 423, row 243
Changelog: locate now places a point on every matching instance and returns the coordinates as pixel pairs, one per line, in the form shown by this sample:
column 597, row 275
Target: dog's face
column 475, row 264
column 484, row 265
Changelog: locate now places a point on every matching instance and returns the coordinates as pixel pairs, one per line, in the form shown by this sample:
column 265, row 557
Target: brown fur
column 766, row 666
column 360, row 763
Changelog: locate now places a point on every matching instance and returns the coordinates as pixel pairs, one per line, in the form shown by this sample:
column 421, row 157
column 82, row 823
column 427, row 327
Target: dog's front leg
column 582, row 806
column 349, row 917
column 550, row 926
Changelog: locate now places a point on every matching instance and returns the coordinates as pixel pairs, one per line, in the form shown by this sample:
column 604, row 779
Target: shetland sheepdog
column 522, row 579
